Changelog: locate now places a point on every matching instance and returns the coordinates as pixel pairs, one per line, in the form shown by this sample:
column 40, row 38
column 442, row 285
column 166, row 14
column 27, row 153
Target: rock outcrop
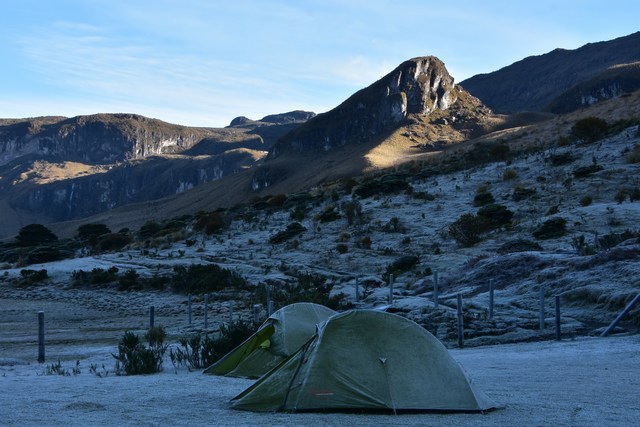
column 418, row 86
column 95, row 139
column 616, row 81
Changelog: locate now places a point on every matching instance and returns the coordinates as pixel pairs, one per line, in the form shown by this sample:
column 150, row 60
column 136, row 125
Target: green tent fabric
column 279, row 336
column 366, row 359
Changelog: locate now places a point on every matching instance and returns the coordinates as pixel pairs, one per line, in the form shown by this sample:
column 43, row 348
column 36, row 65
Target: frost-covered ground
column 580, row 381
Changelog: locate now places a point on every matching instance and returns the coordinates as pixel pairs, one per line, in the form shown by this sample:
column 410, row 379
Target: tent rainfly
column 366, row 360
column 279, row 336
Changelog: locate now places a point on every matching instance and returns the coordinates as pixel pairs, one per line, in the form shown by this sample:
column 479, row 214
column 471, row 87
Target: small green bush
column 342, row 248
column 467, row 229
column 497, row 215
column 400, row 265
column 509, row 174
column 555, row 227
column 134, row 358
column 621, row 196
column 586, row 201
column 560, row 159
column 521, row 193
column 364, row 242
column 387, row 184
column 201, row 351
column 584, row 171
column 328, row 214
column 204, row 278
column 483, row 198
column 291, row 231
column 130, row 280
column 590, row 129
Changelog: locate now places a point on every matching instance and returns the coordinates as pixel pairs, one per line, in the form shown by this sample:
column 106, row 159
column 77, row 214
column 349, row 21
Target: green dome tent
column 366, row 359
column 280, row 335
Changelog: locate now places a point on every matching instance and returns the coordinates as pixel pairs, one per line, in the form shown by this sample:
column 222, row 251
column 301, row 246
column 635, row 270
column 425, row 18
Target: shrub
column 551, row 228
column 634, row 156
column 582, row 247
column 560, row 159
column 204, row 278
column 589, row 129
column 344, row 237
column 35, row 234
column 31, row 277
column 553, row 210
column 97, row 276
column 509, row 174
column 394, row 226
column 483, row 198
column 299, row 212
column 621, row 196
column 586, row 201
column 608, row 241
column 211, row 222
column 113, row 241
column 134, row 358
column 91, row 232
column 43, row 254
column 519, row 245
column 521, row 193
column 583, row 171
column 328, row 214
column 497, row 215
column 387, row 184
column 342, row 248
column 353, row 211
column 308, row 288
column 364, row 242
column 399, row 266
column 149, row 229
column 467, row 229
column 423, row 195
column 200, row 351
column 291, row 231
column 130, row 280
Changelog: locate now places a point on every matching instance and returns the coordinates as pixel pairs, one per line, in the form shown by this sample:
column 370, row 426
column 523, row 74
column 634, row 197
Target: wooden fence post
column 206, row 311
column 460, row 320
column 435, row 288
column 557, row 298
column 357, row 290
column 490, row 299
column 541, row 307
column 41, row 337
column 189, row 304
column 391, row 279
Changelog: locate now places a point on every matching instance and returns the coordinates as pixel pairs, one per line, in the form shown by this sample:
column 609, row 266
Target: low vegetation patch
column 552, row 228
column 136, row 358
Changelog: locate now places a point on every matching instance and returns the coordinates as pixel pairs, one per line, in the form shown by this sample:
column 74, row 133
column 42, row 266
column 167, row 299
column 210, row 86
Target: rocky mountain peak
column 417, row 86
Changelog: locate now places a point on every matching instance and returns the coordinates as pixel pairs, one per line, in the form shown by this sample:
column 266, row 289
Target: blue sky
column 202, row 63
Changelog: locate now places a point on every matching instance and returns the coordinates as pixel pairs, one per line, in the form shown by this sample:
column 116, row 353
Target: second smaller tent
column 281, row 335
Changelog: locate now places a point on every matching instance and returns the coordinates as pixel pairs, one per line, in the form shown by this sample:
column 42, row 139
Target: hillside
column 534, row 82
column 525, row 207
column 58, row 169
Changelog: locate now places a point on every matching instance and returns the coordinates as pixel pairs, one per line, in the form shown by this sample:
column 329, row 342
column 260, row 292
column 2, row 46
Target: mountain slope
column 532, row 83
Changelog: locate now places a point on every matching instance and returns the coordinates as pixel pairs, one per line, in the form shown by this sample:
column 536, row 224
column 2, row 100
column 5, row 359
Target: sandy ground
column 586, row 381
